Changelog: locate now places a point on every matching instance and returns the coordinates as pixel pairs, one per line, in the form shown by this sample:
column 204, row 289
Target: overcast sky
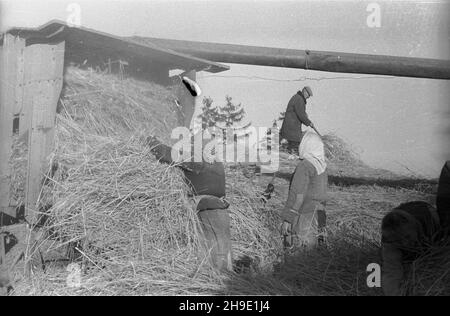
column 395, row 123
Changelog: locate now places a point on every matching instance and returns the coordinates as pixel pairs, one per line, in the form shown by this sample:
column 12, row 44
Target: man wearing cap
column 291, row 130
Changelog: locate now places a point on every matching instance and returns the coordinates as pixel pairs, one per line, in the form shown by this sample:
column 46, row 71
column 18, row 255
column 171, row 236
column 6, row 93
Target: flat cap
column 308, row 89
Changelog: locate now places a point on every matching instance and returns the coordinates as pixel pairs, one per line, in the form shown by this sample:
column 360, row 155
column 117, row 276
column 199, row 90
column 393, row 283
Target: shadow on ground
column 338, row 269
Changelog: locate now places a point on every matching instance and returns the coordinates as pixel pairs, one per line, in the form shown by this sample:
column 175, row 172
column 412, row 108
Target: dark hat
column 308, row 89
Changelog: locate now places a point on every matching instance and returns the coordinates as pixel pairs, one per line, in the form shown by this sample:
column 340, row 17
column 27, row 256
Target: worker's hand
column 270, row 189
column 311, row 125
column 286, row 228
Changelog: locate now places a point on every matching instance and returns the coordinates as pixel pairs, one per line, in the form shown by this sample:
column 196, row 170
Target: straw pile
column 430, row 274
column 124, row 214
column 337, row 151
column 137, row 234
column 112, row 202
column 104, row 105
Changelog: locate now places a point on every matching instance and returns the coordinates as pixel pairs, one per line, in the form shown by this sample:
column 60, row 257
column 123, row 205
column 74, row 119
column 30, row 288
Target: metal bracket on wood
column 12, row 256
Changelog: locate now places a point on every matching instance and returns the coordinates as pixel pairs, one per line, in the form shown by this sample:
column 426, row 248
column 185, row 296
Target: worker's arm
column 392, row 270
column 297, row 192
column 300, row 111
column 163, row 153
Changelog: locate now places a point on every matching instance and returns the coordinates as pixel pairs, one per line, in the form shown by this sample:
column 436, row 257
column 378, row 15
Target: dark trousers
column 309, row 230
column 216, row 230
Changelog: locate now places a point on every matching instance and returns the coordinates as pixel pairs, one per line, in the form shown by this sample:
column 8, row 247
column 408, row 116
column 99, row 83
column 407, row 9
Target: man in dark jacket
column 291, row 130
column 207, row 183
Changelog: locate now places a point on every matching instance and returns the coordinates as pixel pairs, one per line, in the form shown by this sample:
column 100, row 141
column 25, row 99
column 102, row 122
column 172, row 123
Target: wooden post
column 2, row 250
column 11, row 67
column 43, row 76
column 187, row 101
column 30, row 85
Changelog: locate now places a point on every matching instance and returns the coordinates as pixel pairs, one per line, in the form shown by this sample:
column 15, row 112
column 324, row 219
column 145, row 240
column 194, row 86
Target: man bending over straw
column 409, row 230
column 207, row 183
column 304, row 214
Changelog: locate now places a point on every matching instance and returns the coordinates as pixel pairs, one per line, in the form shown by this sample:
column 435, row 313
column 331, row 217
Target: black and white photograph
column 225, row 153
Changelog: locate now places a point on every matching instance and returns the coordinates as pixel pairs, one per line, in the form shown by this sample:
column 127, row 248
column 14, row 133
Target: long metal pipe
column 313, row 60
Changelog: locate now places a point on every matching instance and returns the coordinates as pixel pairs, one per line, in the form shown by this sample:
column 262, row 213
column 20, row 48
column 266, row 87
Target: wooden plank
column 57, row 69
column 12, row 48
column 2, row 251
column 27, row 98
column 20, row 89
column 43, row 84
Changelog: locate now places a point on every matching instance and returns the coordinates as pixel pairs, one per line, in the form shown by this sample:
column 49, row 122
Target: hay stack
column 124, row 213
column 104, row 105
column 338, row 151
column 254, row 224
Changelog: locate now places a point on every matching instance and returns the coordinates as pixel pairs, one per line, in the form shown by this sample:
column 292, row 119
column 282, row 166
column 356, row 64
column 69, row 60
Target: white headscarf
column 312, row 149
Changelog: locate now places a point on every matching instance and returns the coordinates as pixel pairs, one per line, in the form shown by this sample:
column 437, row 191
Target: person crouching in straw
column 304, row 213
column 409, row 232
